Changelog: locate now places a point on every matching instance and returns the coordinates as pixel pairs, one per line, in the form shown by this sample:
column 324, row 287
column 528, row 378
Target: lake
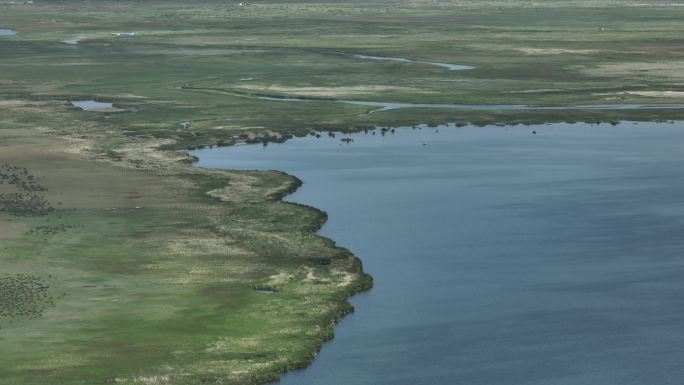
column 499, row 256
column 7, row 32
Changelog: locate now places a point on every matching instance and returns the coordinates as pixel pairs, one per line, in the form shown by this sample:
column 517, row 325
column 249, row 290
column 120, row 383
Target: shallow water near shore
column 499, row 256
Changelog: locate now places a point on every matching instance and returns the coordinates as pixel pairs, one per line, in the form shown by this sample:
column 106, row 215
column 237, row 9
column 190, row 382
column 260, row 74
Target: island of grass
column 122, row 263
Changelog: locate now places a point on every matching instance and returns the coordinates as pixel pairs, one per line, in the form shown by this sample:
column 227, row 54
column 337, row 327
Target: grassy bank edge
column 342, row 307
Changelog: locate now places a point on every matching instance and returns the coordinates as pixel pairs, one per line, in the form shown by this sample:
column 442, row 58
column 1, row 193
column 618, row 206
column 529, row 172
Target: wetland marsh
column 129, row 265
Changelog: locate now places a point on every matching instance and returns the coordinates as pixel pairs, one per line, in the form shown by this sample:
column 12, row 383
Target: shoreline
column 156, row 263
column 343, row 306
column 296, row 164
column 269, row 187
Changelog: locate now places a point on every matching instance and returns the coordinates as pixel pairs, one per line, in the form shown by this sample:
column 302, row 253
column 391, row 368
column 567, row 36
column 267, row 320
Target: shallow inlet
column 500, row 257
column 7, row 32
column 451, row 67
column 91, row 105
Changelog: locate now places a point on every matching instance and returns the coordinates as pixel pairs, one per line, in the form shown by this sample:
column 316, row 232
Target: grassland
column 120, row 263
column 139, row 276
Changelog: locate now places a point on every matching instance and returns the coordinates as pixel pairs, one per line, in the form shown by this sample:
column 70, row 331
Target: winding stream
column 451, row 67
column 386, row 106
column 500, row 257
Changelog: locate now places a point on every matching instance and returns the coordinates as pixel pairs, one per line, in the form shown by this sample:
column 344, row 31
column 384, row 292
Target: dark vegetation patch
column 29, row 199
column 23, row 295
column 51, row 229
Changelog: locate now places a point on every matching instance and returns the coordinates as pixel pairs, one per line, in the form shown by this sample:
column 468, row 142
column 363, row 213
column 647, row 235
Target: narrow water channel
column 450, row 67
column 386, row 106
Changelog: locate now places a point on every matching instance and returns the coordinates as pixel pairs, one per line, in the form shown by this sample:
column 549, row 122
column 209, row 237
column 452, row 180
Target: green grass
column 550, row 53
column 153, row 290
column 152, row 265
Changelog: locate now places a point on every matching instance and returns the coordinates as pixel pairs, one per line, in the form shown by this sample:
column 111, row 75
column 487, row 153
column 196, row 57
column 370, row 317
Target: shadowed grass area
column 150, row 271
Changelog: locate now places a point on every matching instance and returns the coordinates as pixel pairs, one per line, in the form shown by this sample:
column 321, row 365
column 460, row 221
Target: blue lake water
column 499, row 256
column 7, row 32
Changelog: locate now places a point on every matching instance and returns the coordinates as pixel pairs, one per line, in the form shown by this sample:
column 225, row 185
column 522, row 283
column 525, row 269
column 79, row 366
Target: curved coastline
column 342, row 306
column 351, row 334
column 175, row 270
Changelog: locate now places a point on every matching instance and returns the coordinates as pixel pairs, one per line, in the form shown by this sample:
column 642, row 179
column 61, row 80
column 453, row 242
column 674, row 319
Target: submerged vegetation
column 157, row 270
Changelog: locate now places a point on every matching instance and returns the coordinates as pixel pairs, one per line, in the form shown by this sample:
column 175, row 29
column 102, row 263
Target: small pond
column 91, row 105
